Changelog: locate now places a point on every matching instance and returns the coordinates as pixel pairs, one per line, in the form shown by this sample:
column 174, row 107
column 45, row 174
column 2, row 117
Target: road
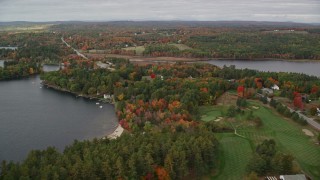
column 310, row 121
column 77, row 52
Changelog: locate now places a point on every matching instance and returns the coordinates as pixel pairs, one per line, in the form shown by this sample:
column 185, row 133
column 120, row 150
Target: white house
column 275, row 87
column 106, row 96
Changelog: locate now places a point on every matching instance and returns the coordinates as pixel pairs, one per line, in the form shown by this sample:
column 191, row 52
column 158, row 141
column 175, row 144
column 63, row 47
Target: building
column 267, row 92
column 275, row 87
column 293, row 177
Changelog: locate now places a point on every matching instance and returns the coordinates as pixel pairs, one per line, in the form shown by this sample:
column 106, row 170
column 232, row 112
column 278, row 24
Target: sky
column 307, row 11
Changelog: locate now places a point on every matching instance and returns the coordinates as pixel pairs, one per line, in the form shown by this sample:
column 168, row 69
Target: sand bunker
column 255, row 107
column 307, row 132
column 218, row 119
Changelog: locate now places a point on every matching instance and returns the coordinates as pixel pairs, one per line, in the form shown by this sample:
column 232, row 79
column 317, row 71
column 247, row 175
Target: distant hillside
column 173, row 23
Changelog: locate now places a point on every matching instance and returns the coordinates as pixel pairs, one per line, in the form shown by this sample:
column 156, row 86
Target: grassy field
column 139, row 49
column 181, row 47
column 236, row 153
column 287, row 134
column 26, row 28
column 210, row 113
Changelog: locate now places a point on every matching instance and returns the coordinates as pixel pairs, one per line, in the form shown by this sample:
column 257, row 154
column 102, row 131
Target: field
column 26, row 28
column 210, row 113
column 236, row 153
column 287, row 134
column 139, row 49
column 181, row 47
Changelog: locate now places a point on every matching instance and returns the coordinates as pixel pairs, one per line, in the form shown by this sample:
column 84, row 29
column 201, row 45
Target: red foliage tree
column 240, row 91
column 297, row 101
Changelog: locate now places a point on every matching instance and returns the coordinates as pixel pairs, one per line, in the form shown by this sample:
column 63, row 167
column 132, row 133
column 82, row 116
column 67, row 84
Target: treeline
column 170, row 50
column 188, row 153
column 285, row 111
column 288, row 82
column 19, row 69
column 88, row 81
column 45, row 47
column 253, row 45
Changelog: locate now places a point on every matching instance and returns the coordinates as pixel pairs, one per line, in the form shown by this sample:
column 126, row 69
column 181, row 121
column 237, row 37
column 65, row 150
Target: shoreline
column 67, row 91
column 138, row 59
column 114, row 135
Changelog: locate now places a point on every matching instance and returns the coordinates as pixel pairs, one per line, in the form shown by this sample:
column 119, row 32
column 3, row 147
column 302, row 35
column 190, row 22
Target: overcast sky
column 208, row 10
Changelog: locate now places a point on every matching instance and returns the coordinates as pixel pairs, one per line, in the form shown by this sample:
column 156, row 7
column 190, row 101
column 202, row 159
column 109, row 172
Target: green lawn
column 181, row 47
column 139, row 49
column 210, row 113
column 288, row 136
column 291, row 139
column 236, row 153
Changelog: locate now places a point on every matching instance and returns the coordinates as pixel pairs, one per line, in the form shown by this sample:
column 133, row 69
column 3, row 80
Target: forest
column 20, row 69
column 190, row 152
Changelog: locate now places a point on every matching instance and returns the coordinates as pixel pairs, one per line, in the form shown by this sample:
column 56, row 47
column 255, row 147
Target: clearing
column 139, row 49
column 181, row 47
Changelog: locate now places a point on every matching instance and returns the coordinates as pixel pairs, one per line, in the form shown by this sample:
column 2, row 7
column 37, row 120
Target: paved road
column 77, row 52
column 310, row 120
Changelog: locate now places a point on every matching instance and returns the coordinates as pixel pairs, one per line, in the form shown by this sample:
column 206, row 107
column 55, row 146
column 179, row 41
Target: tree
column 258, row 165
column 120, row 168
column 92, row 91
column 282, row 163
column 231, row 112
column 252, row 176
column 313, row 111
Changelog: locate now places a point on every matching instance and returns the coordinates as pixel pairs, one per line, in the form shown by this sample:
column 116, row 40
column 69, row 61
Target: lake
column 309, row 67
column 35, row 118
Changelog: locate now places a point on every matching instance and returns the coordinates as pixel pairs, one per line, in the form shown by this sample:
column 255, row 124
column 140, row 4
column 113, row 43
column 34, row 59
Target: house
column 275, row 87
column 318, row 111
column 267, row 91
column 107, row 96
column 293, row 177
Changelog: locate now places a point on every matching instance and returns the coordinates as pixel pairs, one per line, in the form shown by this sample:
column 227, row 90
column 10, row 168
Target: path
column 77, row 52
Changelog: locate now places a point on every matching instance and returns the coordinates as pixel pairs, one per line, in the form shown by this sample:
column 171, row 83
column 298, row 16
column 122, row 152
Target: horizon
column 204, row 21
column 142, row 10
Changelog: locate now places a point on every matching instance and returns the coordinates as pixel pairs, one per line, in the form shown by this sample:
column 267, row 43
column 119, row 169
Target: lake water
column 310, row 68
column 35, row 118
